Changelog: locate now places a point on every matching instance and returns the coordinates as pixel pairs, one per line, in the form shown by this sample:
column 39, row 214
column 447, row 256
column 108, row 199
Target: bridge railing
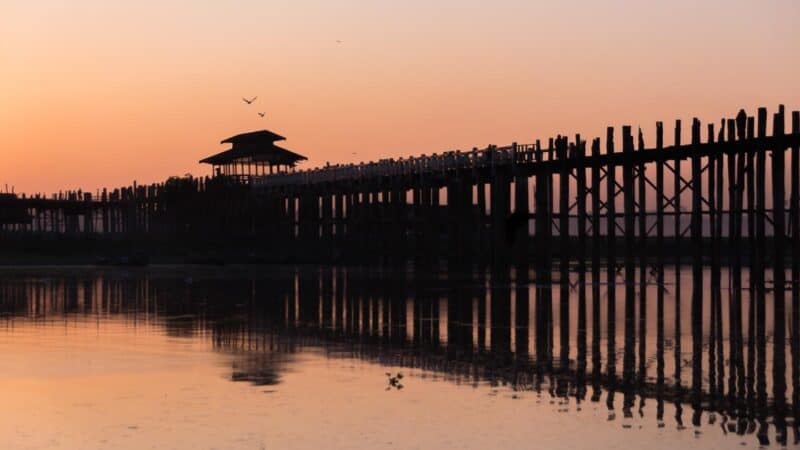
column 415, row 165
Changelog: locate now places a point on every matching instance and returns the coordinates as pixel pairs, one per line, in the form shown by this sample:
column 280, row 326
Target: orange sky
column 96, row 93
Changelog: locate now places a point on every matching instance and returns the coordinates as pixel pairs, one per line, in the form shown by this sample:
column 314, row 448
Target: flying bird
column 249, row 101
column 261, row 114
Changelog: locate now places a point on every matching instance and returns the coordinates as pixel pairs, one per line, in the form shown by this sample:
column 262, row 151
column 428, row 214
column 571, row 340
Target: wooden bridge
column 706, row 196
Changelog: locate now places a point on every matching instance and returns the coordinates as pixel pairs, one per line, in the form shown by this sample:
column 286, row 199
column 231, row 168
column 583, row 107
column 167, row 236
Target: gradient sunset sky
column 96, row 93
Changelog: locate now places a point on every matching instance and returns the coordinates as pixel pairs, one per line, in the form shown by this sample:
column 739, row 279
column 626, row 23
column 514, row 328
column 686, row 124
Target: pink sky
column 96, row 94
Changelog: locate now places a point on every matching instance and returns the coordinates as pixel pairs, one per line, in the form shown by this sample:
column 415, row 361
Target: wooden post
column 611, row 278
column 611, row 214
column 327, row 214
column 778, row 266
column 794, row 209
column 643, row 261
column 564, row 251
column 580, row 154
column 455, row 213
column 339, row 222
column 521, row 214
column 481, row 217
column 660, row 204
column 542, row 224
column 580, row 147
column 628, row 187
column 597, row 245
column 677, row 199
column 563, row 204
column 660, row 272
column 677, row 254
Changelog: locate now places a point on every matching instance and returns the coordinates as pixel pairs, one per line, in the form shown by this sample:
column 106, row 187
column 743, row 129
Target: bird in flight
column 261, row 114
column 249, row 101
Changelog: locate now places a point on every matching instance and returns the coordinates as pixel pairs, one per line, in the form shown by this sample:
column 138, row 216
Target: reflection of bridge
column 469, row 328
column 578, row 196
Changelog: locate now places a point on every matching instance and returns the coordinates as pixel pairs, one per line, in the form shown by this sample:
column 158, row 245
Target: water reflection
column 618, row 338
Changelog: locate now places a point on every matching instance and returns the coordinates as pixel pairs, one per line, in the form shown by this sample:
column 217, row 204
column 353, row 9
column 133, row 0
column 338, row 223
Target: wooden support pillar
column 757, row 271
column 628, row 203
column 453, row 210
column 521, row 216
column 794, row 212
column 611, row 210
column 291, row 212
column 714, row 217
column 660, row 204
column 399, row 203
column 597, row 243
column 580, row 156
column 696, row 229
column 778, row 274
column 500, row 210
column 629, row 192
column 480, row 188
column 339, row 221
column 467, row 231
column 351, row 228
column 542, row 225
column 643, row 261
column 564, row 174
column 660, row 272
column 562, row 153
column 611, row 277
column 677, row 199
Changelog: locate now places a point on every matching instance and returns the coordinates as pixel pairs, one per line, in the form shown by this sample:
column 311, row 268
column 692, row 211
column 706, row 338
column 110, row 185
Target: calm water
column 297, row 357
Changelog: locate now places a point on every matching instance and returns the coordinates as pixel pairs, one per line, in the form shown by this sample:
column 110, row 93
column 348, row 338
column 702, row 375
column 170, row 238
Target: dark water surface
column 298, row 357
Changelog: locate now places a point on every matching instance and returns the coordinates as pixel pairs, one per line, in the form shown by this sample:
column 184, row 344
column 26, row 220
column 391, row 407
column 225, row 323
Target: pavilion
column 253, row 154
